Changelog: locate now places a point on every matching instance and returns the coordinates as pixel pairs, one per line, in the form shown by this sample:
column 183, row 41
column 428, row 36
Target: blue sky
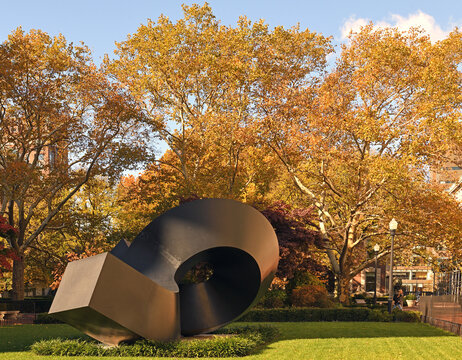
column 99, row 23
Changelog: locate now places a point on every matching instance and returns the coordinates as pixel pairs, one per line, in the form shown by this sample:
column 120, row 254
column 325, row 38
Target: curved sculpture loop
column 136, row 289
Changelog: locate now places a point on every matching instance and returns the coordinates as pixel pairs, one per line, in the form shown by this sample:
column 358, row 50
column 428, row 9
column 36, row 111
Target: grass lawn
column 314, row 340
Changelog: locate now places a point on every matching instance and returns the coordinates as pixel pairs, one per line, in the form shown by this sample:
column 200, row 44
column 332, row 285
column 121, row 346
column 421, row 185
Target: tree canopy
column 359, row 145
column 61, row 124
column 198, row 84
column 246, row 112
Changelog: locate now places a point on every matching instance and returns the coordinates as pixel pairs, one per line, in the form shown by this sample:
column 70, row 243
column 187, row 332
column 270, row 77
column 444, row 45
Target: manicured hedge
column 246, row 340
column 45, row 318
column 407, row 316
column 338, row 314
column 27, row 305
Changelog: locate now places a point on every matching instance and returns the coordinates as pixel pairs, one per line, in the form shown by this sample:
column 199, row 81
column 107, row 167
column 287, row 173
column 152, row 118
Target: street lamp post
column 376, row 251
column 393, row 227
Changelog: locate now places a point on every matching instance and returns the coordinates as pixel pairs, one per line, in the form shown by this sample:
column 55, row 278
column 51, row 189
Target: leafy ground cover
column 233, row 341
column 301, row 340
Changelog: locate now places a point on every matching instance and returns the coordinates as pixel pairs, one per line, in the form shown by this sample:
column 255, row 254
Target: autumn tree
column 6, row 255
column 359, row 145
column 197, row 83
column 85, row 225
column 62, row 123
column 299, row 243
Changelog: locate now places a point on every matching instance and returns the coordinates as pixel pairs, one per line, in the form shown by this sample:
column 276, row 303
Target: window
column 370, row 281
column 52, row 156
column 401, row 275
column 419, row 275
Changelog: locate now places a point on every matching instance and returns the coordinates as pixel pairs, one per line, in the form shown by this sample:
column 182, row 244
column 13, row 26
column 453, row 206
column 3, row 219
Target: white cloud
column 352, row 24
column 419, row 19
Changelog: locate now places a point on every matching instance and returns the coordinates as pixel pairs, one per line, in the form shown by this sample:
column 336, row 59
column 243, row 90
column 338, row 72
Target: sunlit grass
column 316, row 340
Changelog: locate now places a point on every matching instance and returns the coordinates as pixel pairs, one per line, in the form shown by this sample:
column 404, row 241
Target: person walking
column 398, row 299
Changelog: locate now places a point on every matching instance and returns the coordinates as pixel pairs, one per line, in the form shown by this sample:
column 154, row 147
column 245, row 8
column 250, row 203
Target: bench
column 9, row 314
column 360, row 301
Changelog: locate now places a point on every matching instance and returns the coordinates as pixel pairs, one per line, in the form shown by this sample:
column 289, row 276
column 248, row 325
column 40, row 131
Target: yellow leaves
column 16, row 172
column 386, row 88
column 203, row 85
column 361, row 141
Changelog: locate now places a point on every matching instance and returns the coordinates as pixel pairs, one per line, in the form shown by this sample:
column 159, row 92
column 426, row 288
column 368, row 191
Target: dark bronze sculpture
column 136, row 290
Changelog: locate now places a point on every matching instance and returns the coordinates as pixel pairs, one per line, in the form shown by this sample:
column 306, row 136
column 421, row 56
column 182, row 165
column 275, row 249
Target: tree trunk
column 343, row 290
column 18, row 277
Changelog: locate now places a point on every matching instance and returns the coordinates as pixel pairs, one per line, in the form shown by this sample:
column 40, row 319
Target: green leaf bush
column 275, row 298
column 337, row 314
column 406, row 316
column 245, row 340
column 379, row 316
column 45, row 318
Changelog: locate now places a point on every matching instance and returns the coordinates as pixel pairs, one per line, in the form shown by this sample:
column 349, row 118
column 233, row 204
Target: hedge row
column 246, row 340
column 304, row 314
column 338, row 314
column 26, row 305
column 45, row 318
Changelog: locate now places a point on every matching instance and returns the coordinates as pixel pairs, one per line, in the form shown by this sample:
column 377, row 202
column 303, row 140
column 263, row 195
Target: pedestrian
column 398, row 299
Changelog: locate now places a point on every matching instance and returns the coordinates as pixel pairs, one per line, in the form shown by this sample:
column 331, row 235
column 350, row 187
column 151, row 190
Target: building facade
column 413, row 279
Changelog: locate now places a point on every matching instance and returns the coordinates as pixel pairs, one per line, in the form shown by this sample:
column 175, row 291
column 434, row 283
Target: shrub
column 380, row 316
column 33, row 305
column 302, row 278
column 68, row 348
column 311, row 295
column 307, row 314
column 338, row 314
column 246, row 340
column 275, row 298
column 406, row 316
column 359, row 314
column 45, row 318
column 219, row 347
column 411, row 297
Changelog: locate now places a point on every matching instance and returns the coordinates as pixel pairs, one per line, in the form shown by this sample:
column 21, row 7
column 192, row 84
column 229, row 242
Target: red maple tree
column 6, row 255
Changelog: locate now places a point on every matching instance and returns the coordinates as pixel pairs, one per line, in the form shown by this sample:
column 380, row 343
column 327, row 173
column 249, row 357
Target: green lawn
column 314, row 340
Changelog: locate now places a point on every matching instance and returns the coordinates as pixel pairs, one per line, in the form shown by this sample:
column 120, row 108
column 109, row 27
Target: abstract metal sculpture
column 136, row 291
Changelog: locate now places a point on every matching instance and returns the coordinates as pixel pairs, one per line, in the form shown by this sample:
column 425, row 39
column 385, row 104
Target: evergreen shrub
column 337, row 314
column 45, row 318
column 406, row 316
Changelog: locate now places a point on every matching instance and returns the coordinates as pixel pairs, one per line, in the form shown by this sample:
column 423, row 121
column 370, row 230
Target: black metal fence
column 449, row 283
column 34, row 306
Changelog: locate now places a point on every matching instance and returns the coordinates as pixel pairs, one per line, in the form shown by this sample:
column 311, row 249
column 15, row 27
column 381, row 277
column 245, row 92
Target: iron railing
column 448, row 283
